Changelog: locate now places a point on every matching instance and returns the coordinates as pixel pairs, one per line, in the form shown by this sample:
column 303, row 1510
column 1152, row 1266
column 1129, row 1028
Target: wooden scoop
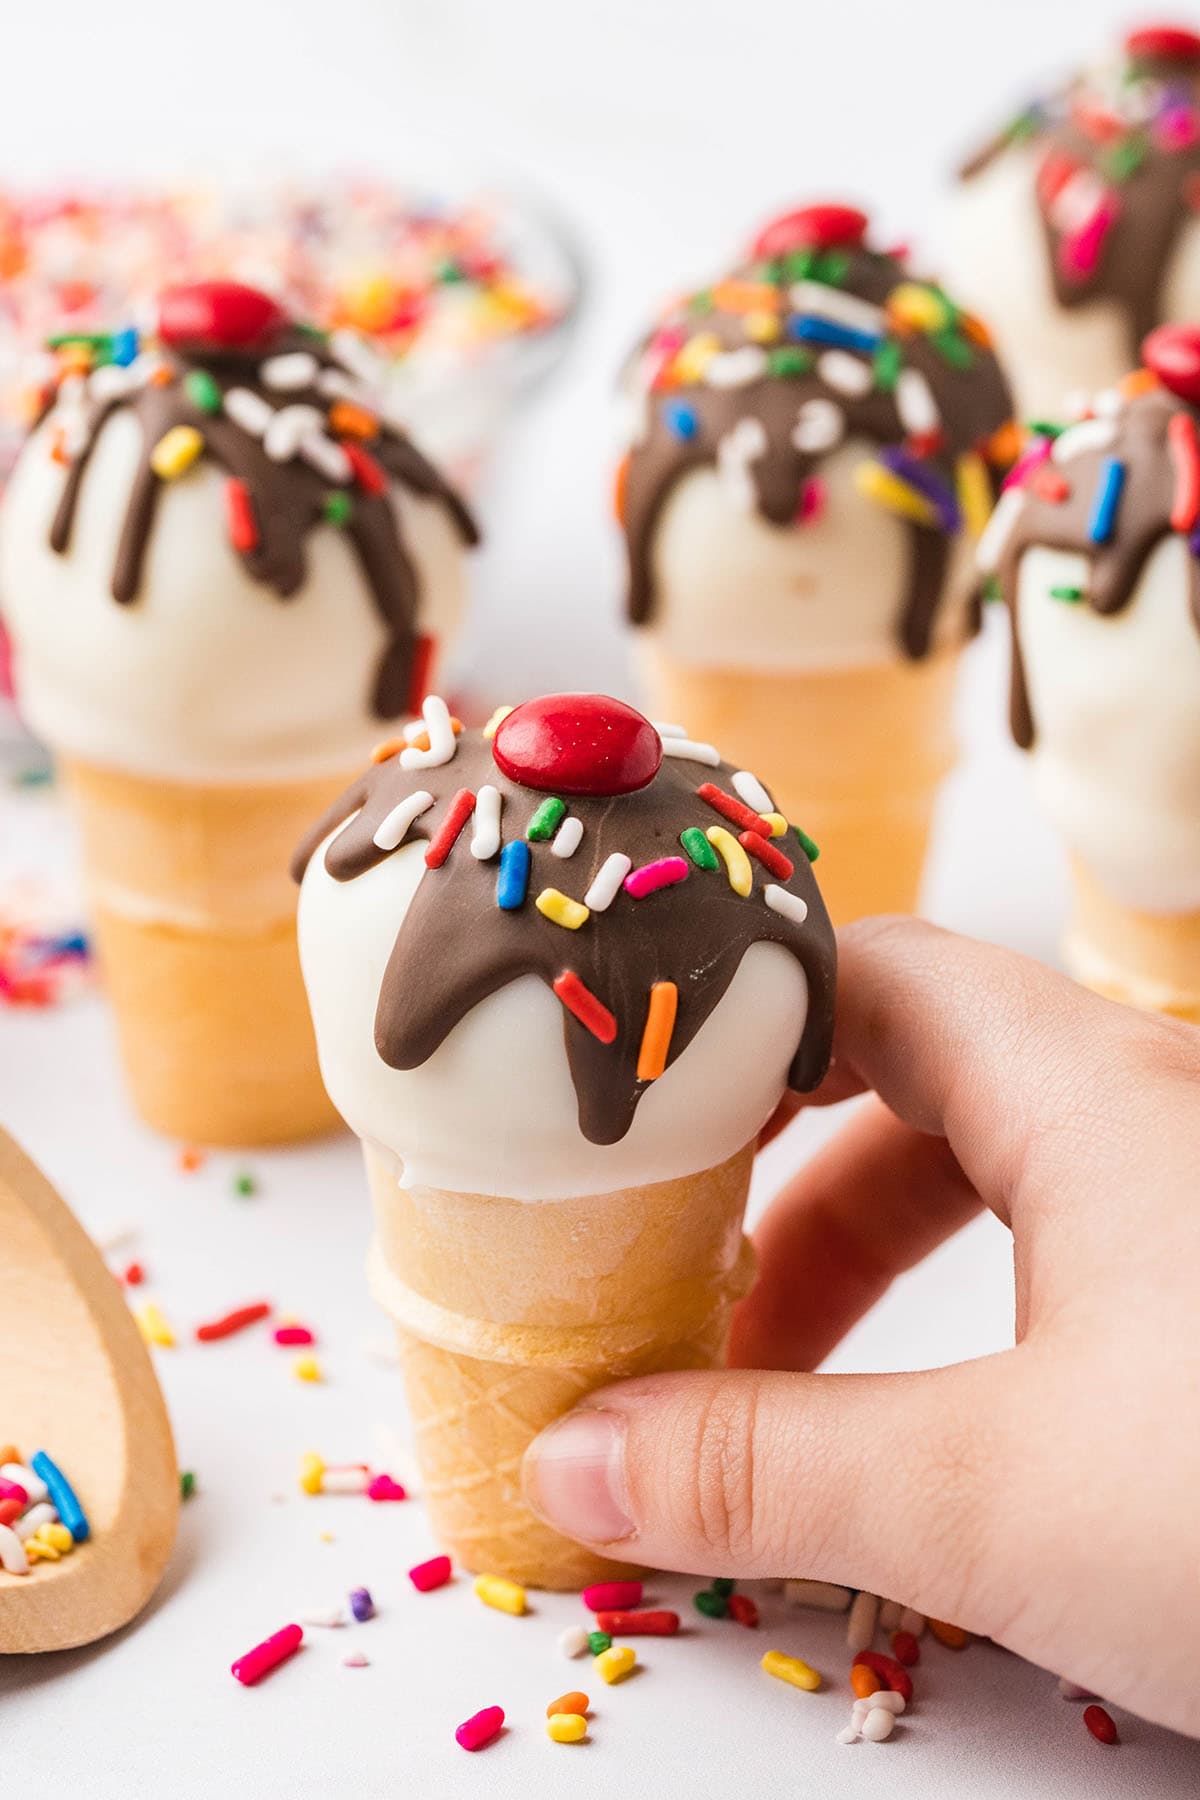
column 77, row 1381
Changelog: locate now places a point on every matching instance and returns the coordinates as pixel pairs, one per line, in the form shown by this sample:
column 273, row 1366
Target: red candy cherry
column 578, row 744
column 217, row 315
column 1163, row 43
column 1172, row 352
column 827, row 227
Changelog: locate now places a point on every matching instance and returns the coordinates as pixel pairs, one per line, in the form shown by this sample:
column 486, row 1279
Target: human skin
column 1044, row 1496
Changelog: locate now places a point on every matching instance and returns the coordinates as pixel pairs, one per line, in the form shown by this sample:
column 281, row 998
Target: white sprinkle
column 287, row 428
column 847, row 1735
column 350, row 1480
column 42, row 1514
column 823, row 1596
column 607, row 883
column 915, row 403
column 632, row 414
column 485, row 840
column 879, row 1724
column 912, row 1620
column 1071, row 1690
column 1089, row 434
column 819, row 426
column 702, row 753
column 573, row 1641
column 844, row 373
column 1077, row 404
column 735, row 452
column 335, row 384
column 123, row 1232
column 566, row 838
column 860, row 1626
column 833, row 303
column 749, row 788
column 33, row 1484
column 144, row 367
column 354, row 1659
column 890, row 1614
column 789, row 906
column 665, row 729
column 394, row 829
column 1108, row 403
column 736, row 368
column 249, row 410
column 72, row 391
column 326, row 457
column 889, row 1700
column 12, row 1552
column 996, row 532
column 327, row 1617
column 441, row 749
column 111, row 381
column 1076, row 202
column 357, row 356
column 288, row 374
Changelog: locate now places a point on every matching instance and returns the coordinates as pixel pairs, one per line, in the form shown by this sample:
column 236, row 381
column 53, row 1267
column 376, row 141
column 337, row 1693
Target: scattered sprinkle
column 267, row 1656
column 504, row 1595
column 791, row 1669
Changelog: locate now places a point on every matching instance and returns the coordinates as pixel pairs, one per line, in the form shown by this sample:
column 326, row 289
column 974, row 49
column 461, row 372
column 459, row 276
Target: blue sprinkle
column 681, row 420
column 1108, row 498
column 513, row 879
column 808, row 328
column 62, row 1495
column 125, row 346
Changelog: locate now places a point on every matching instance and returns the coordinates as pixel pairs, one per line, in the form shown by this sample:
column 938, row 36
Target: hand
column 1047, row 1496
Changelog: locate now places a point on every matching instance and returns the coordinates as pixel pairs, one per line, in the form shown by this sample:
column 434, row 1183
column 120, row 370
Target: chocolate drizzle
column 287, row 499
column 455, row 946
column 962, row 376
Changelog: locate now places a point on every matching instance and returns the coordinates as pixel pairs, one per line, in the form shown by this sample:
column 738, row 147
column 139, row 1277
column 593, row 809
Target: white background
column 662, row 132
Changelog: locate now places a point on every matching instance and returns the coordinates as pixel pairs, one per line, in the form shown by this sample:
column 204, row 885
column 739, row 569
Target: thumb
column 900, row 1484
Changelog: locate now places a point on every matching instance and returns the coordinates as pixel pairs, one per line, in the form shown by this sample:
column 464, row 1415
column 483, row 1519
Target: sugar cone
column 194, row 915
column 853, row 755
column 1148, row 960
column 508, row 1312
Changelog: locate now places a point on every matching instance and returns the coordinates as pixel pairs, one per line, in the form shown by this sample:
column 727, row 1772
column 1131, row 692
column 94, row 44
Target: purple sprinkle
column 1194, row 540
column 362, row 1605
column 922, row 477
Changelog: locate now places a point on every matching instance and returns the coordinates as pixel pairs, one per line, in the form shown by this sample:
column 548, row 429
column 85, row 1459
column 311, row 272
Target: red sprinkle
column 905, row 1648
column 429, row 1575
column 382, row 1487
column 133, row 1274
column 234, row 1321
column 240, row 520
column 10, row 1510
column 765, row 852
column 591, row 1012
column 367, row 472
column 887, row 1669
column 1050, row 485
column 289, row 1335
column 1100, row 1724
column 744, row 817
column 638, row 1624
column 1185, row 454
column 446, row 835
column 744, row 1611
column 422, row 663
column 481, row 1728
column 267, row 1656
column 12, row 1490
column 604, row 1595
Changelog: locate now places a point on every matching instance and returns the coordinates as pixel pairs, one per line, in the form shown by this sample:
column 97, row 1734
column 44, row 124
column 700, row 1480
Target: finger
column 872, row 1203
column 889, row 1483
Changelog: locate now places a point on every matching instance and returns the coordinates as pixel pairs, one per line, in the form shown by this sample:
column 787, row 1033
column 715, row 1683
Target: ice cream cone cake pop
column 1093, row 546
column 1077, row 225
column 223, row 571
column 561, row 973
column 813, row 442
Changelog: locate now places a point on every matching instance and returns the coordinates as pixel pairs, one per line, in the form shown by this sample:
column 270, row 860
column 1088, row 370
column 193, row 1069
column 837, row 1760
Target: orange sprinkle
column 568, row 1703
column 162, row 376
column 58, row 448
column 864, row 1681
column 660, row 1023
column 1004, row 446
column 1138, row 381
column 74, row 359
column 745, row 296
column 976, row 330
column 191, row 1159
column 349, row 420
column 953, row 1636
column 620, row 488
column 421, row 741
column 390, row 747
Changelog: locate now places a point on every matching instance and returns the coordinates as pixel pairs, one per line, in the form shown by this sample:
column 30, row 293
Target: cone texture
column 1148, row 960
column 855, row 756
column 194, row 915
column 509, row 1312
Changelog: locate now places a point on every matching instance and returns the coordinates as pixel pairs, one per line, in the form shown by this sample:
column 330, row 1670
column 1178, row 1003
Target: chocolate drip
column 973, row 401
column 455, row 946
column 288, row 498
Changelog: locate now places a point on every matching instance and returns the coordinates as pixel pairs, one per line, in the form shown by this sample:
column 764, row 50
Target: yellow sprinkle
column 153, row 1326
column 176, row 451
column 56, row 1536
column 497, row 719
column 615, row 1663
column 307, row 1368
column 974, row 492
column 505, row 1596
column 566, row 1728
column 41, row 1552
column 761, row 327
column 777, row 822
column 791, row 1669
column 874, row 482
column 918, row 307
column 556, row 906
column 737, row 863
column 312, row 1471
column 326, row 1537
column 694, row 358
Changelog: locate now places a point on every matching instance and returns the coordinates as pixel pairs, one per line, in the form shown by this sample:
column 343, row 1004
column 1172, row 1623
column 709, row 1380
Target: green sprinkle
column 546, row 820
column 700, row 303
column 244, row 1184
column 36, row 775
column 711, row 1604
column 886, row 365
column 599, row 1642
column 832, row 268
column 1045, row 428
column 771, row 271
column 723, row 1585
column 1124, row 158
column 952, row 348
column 789, row 359
column 202, row 391
column 187, row 1484
column 800, row 265
column 337, row 509
column 448, row 273
column 1024, row 125
column 1072, row 595
column 699, row 848
column 991, row 590
column 314, row 332
column 811, row 850
column 91, row 340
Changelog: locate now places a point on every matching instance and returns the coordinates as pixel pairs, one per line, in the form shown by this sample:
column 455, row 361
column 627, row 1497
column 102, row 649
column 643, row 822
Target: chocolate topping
column 456, row 945
column 337, row 469
column 1119, row 175
column 757, row 376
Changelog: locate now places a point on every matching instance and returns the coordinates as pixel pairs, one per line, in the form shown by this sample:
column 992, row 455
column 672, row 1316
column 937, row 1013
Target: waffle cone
column 854, row 755
column 508, row 1312
column 194, row 915
column 1148, row 960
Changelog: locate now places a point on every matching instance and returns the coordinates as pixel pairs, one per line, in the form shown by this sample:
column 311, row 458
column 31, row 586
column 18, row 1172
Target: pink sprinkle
column 12, row 1490
column 812, row 500
column 652, row 876
column 294, row 1334
column 1031, row 458
column 267, row 1656
column 1079, row 253
column 1176, row 129
column 429, row 1575
column 612, row 1596
column 481, row 1728
column 382, row 1487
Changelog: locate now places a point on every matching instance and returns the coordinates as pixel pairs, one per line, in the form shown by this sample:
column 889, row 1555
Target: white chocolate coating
column 494, row 1110
column 1116, row 709
column 208, row 675
column 734, row 591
